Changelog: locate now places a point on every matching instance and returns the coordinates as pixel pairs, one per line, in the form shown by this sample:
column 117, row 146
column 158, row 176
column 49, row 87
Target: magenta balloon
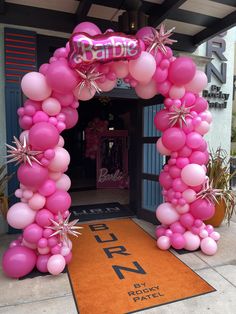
column 188, row 126
column 145, row 32
column 43, row 135
column 194, row 140
column 161, row 120
column 186, row 220
column 61, row 77
column 202, row 209
column 48, row 188
column 43, row 217
column 59, row 201
column 71, row 115
column 198, row 157
column 68, row 258
column 182, row 71
column 181, row 162
column 179, row 185
column 41, row 263
column 177, row 241
column 173, row 139
column 176, row 227
column 18, row 261
column 200, row 105
column 64, row 99
column 160, row 75
column 165, row 180
column 32, row 176
column 160, row 231
column 33, row 233
column 174, row 172
column 164, row 87
column 185, row 152
column 188, row 99
column 88, row 28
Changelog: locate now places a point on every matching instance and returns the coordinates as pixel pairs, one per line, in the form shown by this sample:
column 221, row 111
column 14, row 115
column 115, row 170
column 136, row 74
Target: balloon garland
column 91, row 62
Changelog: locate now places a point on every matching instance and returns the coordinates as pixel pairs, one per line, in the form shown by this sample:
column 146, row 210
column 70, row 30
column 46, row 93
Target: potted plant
column 218, row 187
column 4, row 178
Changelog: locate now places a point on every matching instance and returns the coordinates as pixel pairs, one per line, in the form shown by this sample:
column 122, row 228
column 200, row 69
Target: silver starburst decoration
column 179, row 115
column 63, row 228
column 159, row 39
column 22, row 152
column 89, row 76
column 209, row 193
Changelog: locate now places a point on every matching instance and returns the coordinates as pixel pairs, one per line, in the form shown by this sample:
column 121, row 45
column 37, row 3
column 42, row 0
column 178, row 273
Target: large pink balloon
column 146, row 91
column 20, row 215
column 71, row 115
column 143, row 68
column 202, row 209
column 18, row 261
column 33, row 233
column 32, row 176
column 61, row 77
column 166, row 214
column 173, row 139
column 193, row 175
column 182, row 71
column 198, row 83
column 162, row 120
column 59, row 201
column 43, row 135
column 87, row 27
column 194, row 140
column 35, row 86
column 56, row 264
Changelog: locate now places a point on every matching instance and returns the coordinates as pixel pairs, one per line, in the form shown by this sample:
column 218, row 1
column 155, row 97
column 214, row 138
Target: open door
column 151, row 162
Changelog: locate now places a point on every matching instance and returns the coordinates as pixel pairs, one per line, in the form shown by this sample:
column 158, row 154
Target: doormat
column 117, row 268
column 100, row 211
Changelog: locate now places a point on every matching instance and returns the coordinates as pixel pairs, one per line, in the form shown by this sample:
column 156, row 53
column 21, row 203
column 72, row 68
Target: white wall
column 220, row 133
column 2, row 96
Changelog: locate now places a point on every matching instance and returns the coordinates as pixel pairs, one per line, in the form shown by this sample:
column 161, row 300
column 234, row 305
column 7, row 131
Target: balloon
column 48, row 188
column 56, row 264
column 198, row 82
column 178, row 185
column 59, row 201
column 188, row 126
column 203, row 127
column 194, row 140
column 185, row 152
column 202, row 209
column 43, row 135
column 165, row 180
column 160, row 231
column 145, row 31
column 188, row 99
column 166, row 214
column 63, row 183
column 182, row 209
column 71, row 115
column 20, row 215
column 164, row 87
column 35, row 86
column 200, row 105
column 176, row 92
column 182, row 71
column 178, row 241
column 161, row 120
column 215, row 235
column 33, row 233
column 40, row 116
column 61, row 77
column 18, row 261
column 186, row 220
column 192, row 241
column 181, row 162
column 107, row 85
column 87, row 27
column 160, row 75
column 84, row 93
column 61, row 160
column 146, row 91
column 41, row 263
column 193, row 175
column 198, row 157
column 208, row 246
column 68, row 258
column 43, row 217
column 174, row 172
column 189, row 195
column 161, row 148
column 176, row 227
column 143, row 68
column 64, row 99
column 51, row 106
column 121, row 68
column 42, row 243
column 37, row 201
column 173, row 139
column 163, row 243
column 32, row 176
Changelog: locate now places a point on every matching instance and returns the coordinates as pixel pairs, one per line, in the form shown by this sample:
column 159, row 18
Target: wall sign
column 215, row 97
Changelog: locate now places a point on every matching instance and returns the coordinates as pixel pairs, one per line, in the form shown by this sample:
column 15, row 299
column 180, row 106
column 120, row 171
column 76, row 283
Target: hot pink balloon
column 182, row 71
column 202, row 209
column 33, row 233
column 43, row 135
column 179, row 185
column 59, row 201
column 173, row 139
column 121, row 68
column 164, row 87
column 200, row 105
column 160, row 75
column 188, row 99
column 194, row 140
column 161, row 120
column 174, row 172
column 165, row 180
column 71, row 115
column 181, row 162
column 48, row 188
column 41, row 263
column 18, row 261
column 35, row 86
column 177, row 241
column 64, row 99
column 198, row 157
column 33, row 176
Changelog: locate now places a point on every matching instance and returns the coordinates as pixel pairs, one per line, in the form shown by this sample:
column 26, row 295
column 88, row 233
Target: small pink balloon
column 176, row 92
column 176, row 227
column 44, row 250
column 208, row 246
column 40, row 116
column 56, row 264
column 56, row 249
column 164, row 87
column 178, row 241
column 198, row 157
column 202, row 128
column 43, row 218
column 200, row 105
column 63, row 183
column 181, row 162
column 192, row 241
column 43, row 136
column 165, row 180
column 160, row 75
column 68, row 258
column 215, row 235
column 162, row 120
column 188, row 99
column 64, row 99
column 33, row 233
column 178, row 67
column 35, row 86
column 179, row 185
column 185, row 152
column 51, row 106
column 189, row 195
column 87, row 27
column 163, row 243
column 37, row 201
column 41, row 263
column 161, row 148
column 48, row 188
column 71, row 117
column 52, row 241
column 186, row 220
column 174, row 172
column 160, row 231
column 42, row 243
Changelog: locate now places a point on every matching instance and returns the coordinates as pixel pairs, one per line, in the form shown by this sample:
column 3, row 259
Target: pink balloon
column 176, row 227
column 52, row 241
column 160, row 231
column 166, row 214
column 164, row 87
column 173, row 139
column 85, row 93
column 43, row 68
column 165, row 180
column 37, row 201
column 193, row 175
column 43, row 135
column 208, row 246
column 143, row 68
column 198, row 82
column 41, row 263
column 18, row 261
column 160, row 75
column 198, row 157
column 61, row 77
column 202, row 128
column 161, row 120
column 178, row 241
column 121, row 68
column 144, row 32
column 60, row 162
column 25, row 122
column 20, row 215
column 48, row 188
column 189, row 195
column 178, row 185
column 32, row 176
column 185, row 152
column 161, row 148
column 192, row 241
column 194, row 140
column 107, row 85
column 35, row 86
column 181, row 162
column 202, row 209
column 88, row 28
column 64, row 99
column 40, row 116
column 68, row 258
column 59, row 201
column 163, row 243
column 146, row 91
column 42, row 243
column 176, row 92
column 51, row 106
column 182, row 71
column 63, row 183
column 188, row 126
column 186, row 220
column 56, row 264
column 43, row 218
column 71, row 115
column 33, row 233
column 200, row 105
column 174, row 172
column 188, row 99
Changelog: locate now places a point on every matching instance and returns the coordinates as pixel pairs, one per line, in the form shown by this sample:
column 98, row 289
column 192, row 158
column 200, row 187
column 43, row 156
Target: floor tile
column 228, row 272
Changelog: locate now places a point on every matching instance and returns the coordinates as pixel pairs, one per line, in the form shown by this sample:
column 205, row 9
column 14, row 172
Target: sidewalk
column 53, row 295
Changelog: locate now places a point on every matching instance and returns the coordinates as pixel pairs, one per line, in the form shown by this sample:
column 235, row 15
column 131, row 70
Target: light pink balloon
column 87, row 27
column 84, row 93
column 146, row 91
column 163, row 243
column 189, row 195
column 37, row 201
column 121, row 68
column 143, row 68
column 64, row 99
column 203, row 128
column 61, row 160
column 20, row 215
column 208, row 246
column 61, row 141
column 107, row 85
column 176, row 92
column 198, row 83
column 35, row 86
column 193, row 175
column 161, row 148
column 56, row 264
column 54, row 175
column 63, row 183
column 44, row 250
column 192, row 241
column 182, row 209
column 51, row 106
column 166, row 214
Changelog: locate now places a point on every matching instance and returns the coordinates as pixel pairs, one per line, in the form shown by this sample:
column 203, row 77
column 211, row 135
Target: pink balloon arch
column 91, row 62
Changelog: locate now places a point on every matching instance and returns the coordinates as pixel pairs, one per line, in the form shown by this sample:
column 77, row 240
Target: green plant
column 4, row 178
column 218, row 171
